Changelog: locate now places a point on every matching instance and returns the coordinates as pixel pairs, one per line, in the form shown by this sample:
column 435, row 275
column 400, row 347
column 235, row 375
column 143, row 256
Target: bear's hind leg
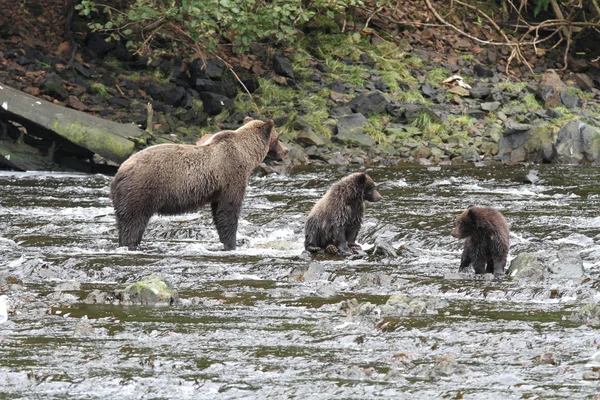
column 132, row 230
column 226, row 212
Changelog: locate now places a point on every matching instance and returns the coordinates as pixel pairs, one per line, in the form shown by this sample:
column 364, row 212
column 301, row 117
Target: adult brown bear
column 172, row 179
column 334, row 221
column 488, row 236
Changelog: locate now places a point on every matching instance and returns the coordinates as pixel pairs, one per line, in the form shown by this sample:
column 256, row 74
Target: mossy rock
column 151, row 289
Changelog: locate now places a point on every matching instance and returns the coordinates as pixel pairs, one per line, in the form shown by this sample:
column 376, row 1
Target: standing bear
column 487, row 234
column 334, row 221
column 170, row 179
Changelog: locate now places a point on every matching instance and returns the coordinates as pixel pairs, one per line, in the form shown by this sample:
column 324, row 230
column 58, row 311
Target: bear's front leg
column 465, row 261
column 226, row 212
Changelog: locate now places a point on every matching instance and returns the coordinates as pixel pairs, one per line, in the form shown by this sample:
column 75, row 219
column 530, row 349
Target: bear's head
column 277, row 149
column 465, row 226
column 370, row 193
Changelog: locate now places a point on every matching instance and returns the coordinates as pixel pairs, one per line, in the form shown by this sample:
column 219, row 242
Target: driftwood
column 56, row 132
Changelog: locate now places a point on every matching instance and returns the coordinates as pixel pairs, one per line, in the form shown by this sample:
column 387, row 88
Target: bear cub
column 334, row 221
column 487, row 234
column 171, row 179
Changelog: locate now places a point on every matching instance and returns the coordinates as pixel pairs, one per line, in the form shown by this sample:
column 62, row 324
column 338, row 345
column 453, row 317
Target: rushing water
column 251, row 326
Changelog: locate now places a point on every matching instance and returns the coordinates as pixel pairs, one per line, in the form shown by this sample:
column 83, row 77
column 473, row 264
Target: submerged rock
column 587, row 314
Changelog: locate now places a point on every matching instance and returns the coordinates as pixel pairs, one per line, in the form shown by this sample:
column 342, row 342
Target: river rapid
column 264, row 322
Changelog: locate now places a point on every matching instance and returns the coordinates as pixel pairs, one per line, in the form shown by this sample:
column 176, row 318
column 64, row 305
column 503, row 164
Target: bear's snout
column 455, row 232
column 376, row 196
column 279, row 151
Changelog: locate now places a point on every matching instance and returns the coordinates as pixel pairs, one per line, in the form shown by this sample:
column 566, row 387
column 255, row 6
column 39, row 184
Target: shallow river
column 262, row 322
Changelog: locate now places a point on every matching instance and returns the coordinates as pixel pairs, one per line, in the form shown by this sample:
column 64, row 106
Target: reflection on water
column 250, row 326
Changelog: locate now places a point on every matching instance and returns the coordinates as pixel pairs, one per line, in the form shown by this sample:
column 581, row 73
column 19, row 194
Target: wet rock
column 382, row 248
column 562, row 264
column 546, row 358
column 587, row 314
column 151, row 289
column 84, row 328
column 401, row 305
column 532, row 177
column 355, row 373
column 283, row 67
column 314, row 271
column 68, row 286
column 369, row 104
column 99, row 297
column 550, row 87
column 445, row 365
column 577, row 142
column 81, row 69
column 350, row 131
column 353, row 308
column 375, row 279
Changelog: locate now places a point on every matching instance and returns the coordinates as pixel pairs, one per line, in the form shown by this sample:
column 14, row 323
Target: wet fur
column 335, row 220
column 487, row 240
column 170, row 179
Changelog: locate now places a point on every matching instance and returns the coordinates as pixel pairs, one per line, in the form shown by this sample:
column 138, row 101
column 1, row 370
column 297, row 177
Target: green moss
column 430, row 125
column 353, row 74
column 436, row 76
column 100, row 89
column 466, row 57
column 320, row 122
column 512, row 87
column 531, row 102
column 462, row 121
column 411, row 96
column 376, row 127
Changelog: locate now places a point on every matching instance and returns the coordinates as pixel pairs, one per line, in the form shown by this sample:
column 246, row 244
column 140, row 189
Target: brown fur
column 276, row 149
column 334, row 221
column 172, row 179
column 488, row 240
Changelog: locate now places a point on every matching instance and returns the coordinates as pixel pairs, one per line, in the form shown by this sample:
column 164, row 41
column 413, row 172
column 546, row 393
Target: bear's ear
column 361, row 179
column 471, row 214
column 470, row 205
column 248, row 119
column 267, row 128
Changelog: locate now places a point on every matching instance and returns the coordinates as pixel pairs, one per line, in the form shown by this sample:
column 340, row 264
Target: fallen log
column 67, row 130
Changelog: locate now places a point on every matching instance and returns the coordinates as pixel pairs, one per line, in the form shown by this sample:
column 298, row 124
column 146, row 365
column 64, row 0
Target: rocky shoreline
column 441, row 109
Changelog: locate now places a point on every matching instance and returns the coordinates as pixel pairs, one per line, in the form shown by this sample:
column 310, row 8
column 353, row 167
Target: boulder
column 564, row 263
column 350, row 130
column 549, row 88
column 369, row 103
column 149, row 290
column 577, row 143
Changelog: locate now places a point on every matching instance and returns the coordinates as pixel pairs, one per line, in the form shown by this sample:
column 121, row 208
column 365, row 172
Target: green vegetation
column 207, row 23
column 531, row 102
column 436, row 76
column 100, row 89
column 462, row 121
column 429, row 124
column 376, row 127
column 512, row 87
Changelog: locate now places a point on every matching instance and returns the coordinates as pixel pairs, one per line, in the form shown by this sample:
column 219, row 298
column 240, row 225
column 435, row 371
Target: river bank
column 338, row 98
